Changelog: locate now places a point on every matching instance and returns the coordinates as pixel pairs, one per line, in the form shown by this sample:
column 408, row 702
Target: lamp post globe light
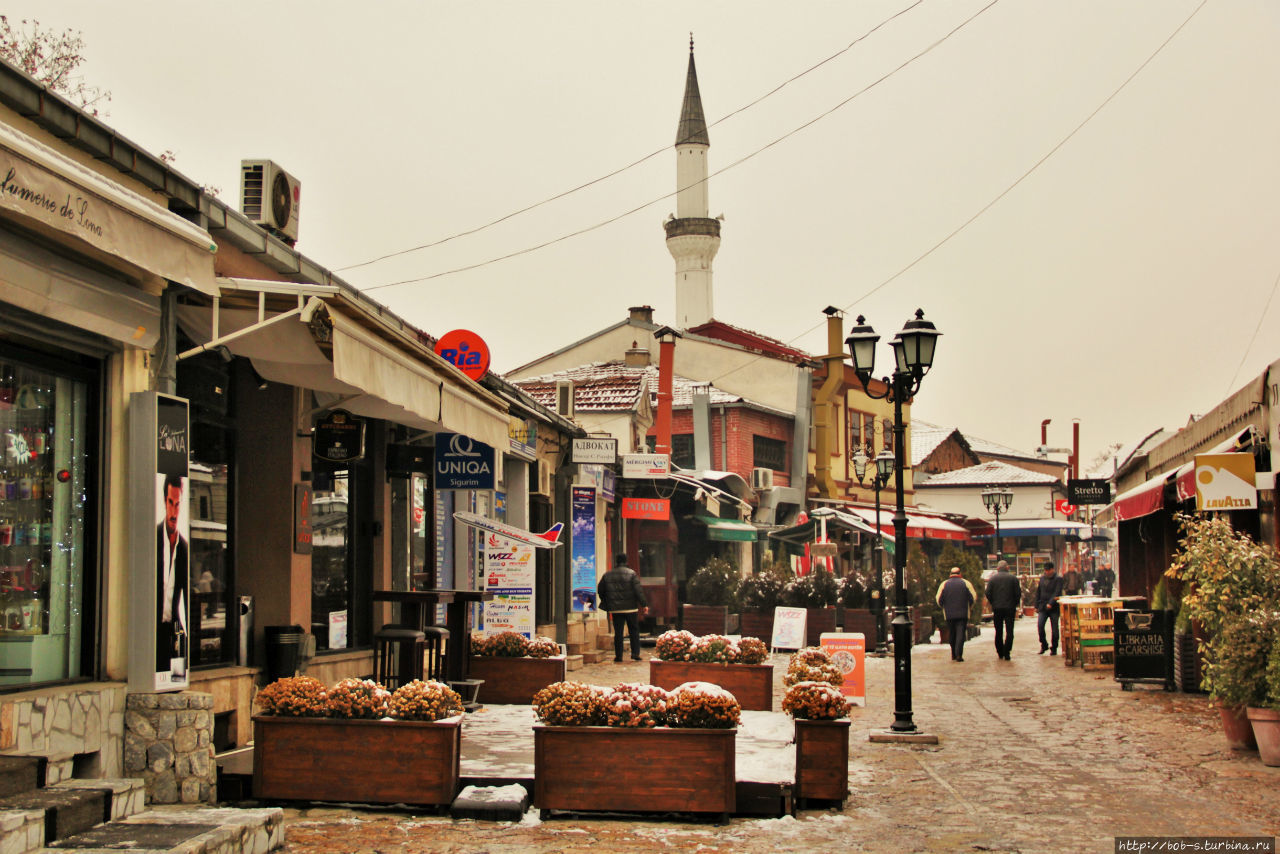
column 913, row 350
column 885, row 465
column 997, row 501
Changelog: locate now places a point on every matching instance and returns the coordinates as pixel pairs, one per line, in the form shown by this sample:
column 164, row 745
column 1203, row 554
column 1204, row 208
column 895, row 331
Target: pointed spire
column 693, row 126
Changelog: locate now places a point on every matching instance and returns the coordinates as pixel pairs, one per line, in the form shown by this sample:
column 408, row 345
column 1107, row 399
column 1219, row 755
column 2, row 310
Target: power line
column 1231, row 385
column 714, row 174
column 470, row 231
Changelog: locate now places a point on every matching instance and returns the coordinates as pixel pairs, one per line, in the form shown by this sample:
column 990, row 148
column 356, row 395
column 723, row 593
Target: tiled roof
column 718, row 330
column 993, row 472
column 615, row 386
column 925, row 438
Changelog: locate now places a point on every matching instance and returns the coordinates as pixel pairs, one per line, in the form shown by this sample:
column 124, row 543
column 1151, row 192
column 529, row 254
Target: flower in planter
column 713, row 649
column 479, row 645
column 506, row 645
column 674, row 645
column 810, row 655
column 716, row 583
column 542, row 647
column 818, row 589
column 801, row 672
column 815, row 701
column 570, row 704
column 424, row 701
column 633, row 704
column 358, row 698
column 701, row 705
column 294, row 696
column 761, row 592
column 752, row 651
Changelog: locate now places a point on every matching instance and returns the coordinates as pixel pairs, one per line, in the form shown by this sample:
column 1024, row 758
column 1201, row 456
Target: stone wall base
column 168, row 742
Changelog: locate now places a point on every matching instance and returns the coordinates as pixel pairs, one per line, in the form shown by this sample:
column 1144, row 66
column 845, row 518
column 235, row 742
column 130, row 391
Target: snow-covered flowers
column 816, row 701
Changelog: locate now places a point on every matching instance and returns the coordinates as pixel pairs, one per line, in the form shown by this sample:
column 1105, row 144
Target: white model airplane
column 548, row 539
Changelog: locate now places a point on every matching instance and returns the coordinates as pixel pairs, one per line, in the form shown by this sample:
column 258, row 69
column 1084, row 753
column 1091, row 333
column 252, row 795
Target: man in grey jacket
column 622, row 597
column 1005, row 595
column 956, row 597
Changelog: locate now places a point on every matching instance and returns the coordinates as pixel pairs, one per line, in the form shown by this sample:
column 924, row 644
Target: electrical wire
column 1276, row 284
column 529, row 249
column 633, row 164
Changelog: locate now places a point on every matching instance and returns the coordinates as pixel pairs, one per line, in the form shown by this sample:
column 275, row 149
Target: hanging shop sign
column 1082, row 492
column 583, row 514
column 338, row 437
column 609, row 489
column 463, row 463
column 1225, row 482
column 523, row 435
column 657, row 509
column 595, row 451
column 1065, row 506
column 646, row 466
column 302, row 535
column 466, row 350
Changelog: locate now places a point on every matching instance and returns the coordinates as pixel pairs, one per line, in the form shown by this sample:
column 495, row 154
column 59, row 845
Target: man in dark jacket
column 956, row 597
column 1047, row 593
column 622, row 597
column 1005, row 595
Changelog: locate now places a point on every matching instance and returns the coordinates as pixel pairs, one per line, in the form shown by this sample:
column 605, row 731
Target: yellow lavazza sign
column 1225, row 482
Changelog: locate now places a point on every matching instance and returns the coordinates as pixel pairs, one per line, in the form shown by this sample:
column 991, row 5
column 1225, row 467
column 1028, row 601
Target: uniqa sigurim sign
column 463, row 463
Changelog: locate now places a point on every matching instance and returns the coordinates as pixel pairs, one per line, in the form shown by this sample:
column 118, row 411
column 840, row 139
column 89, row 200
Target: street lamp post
column 884, row 470
column 913, row 350
column 997, row 501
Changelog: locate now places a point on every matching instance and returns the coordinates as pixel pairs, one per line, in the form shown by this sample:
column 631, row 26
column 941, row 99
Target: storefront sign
column 609, row 491
column 583, row 572
column 302, row 519
column 509, row 576
column 338, row 437
column 1143, row 646
column 523, row 435
column 1225, row 482
column 1065, row 507
column 646, row 466
column 646, row 508
column 466, row 350
column 789, row 627
column 463, row 463
column 599, row 451
column 848, row 652
column 1084, row 492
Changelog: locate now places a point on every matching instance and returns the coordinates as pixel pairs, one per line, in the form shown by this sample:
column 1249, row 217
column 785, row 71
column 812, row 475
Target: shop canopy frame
column 807, row 532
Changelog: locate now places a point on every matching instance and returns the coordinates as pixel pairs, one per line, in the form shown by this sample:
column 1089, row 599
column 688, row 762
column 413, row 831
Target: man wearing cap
column 956, row 597
column 1005, row 595
column 1047, row 593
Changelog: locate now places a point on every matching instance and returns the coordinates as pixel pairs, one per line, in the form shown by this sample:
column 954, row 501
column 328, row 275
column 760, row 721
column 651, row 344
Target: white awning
column 54, row 194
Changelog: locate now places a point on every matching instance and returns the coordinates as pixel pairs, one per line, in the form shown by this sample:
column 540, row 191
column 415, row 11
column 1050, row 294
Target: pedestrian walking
column 1071, row 582
column 622, row 598
column 1047, row 593
column 956, row 597
column 1005, row 595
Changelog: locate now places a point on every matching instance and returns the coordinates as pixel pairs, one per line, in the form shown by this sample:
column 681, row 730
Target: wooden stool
column 398, row 652
column 434, row 641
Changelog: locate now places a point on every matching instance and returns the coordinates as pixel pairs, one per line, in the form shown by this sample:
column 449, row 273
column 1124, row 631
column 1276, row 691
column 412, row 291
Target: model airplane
column 548, row 539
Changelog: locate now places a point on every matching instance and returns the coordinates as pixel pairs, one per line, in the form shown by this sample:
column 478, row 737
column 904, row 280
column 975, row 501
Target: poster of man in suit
column 172, row 577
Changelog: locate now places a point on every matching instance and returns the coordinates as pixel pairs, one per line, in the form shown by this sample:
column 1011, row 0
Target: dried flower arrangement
column 542, row 647
column 358, row 698
column 752, row 651
column 506, row 645
column 570, row 704
column 713, row 649
column 633, row 704
column 800, row 672
column 294, row 696
column 815, row 701
column 674, row 645
column 424, row 701
column 810, row 655
column 702, row 705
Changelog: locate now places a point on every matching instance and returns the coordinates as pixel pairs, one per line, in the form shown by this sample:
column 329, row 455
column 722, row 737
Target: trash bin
column 244, row 653
column 284, row 643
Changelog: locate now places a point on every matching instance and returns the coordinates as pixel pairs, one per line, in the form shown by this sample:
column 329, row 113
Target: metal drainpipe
column 167, row 346
column 724, row 439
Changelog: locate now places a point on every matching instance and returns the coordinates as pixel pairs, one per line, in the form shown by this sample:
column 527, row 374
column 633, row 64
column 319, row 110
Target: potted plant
column 1225, row 576
column 816, row 592
column 514, row 668
column 737, row 666
column 758, row 595
column 1265, row 717
column 356, row 742
column 821, row 715
column 683, row 740
column 853, row 608
column 920, row 591
column 712, row 592
column 1236, row 668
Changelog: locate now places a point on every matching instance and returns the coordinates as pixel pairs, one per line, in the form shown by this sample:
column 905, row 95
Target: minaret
column 692, row 236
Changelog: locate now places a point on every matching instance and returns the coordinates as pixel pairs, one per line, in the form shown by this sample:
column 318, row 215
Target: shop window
column 769, row 453
column 341, row 573
column 681, row 449
column 862, row 430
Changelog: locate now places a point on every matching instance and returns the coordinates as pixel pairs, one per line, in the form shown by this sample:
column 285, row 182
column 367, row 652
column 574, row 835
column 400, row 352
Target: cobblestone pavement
column 1033, row 756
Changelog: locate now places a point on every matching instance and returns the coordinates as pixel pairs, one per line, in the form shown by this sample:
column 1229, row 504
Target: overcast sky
column 1120, row 281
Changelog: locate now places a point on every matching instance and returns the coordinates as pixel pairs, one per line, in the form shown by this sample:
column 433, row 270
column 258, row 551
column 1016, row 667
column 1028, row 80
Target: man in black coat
column 622, row 597
column 1005, row 595
column 171, row 584
column 1047, row 593
column 956, row 597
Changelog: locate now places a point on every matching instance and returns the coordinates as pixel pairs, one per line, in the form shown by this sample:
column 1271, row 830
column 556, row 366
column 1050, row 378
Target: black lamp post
column 913, row 349
column 884, row 470
column 997, row 501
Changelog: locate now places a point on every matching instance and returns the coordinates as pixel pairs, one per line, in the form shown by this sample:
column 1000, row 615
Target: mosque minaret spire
column 693, row 237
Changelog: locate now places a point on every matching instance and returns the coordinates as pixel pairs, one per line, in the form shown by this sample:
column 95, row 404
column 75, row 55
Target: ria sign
column 466, row 350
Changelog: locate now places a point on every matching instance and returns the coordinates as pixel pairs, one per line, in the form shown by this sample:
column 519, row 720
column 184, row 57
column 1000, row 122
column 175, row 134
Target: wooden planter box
column 705, row 619
column 817, row 621
column 363, row 761
column 822, row 760
column 757, row 626
column 860, row 620
column 750, row 684
column 670, row 770
column 515, row 680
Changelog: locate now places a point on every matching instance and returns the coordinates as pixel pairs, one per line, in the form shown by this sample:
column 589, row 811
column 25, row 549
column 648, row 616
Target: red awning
column 918, row 526
column 1187, row 473
column 1141, row 500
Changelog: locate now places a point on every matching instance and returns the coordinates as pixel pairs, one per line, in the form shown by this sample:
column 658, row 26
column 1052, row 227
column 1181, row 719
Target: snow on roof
column 993, row 472
column 613, row 386
column 925, row 439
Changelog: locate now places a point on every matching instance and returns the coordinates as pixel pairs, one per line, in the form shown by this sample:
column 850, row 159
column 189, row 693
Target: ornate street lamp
column 913, row 350
column 997, row 501
column 884, row 470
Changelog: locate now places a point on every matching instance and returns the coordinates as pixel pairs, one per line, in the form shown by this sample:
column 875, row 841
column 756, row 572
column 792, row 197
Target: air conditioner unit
column 270, row 197
column 762, row 479
column 564, row 398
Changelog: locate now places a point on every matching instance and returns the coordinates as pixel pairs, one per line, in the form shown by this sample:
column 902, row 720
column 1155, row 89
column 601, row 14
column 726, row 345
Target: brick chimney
column 641, row 313
column 637, row 357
